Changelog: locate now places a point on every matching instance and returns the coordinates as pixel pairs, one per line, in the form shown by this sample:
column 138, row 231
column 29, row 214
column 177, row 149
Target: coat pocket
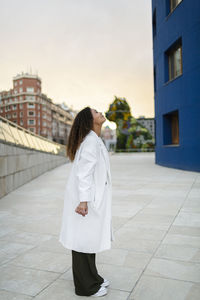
column 94, row 200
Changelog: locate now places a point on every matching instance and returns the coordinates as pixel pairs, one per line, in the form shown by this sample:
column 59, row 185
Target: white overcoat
column 89, row 180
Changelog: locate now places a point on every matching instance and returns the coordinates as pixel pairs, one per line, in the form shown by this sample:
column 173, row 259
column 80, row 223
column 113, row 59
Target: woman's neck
column 97, row 130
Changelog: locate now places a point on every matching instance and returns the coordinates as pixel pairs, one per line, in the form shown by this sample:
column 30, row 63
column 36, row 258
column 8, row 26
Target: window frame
column 31, row 111
column 168, row 54
column 31, row 123
column 169, row 9
column 30, row 89
column 175, row 65
column 169, row 129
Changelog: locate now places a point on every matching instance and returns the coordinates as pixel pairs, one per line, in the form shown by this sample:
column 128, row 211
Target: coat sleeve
column 85, row 170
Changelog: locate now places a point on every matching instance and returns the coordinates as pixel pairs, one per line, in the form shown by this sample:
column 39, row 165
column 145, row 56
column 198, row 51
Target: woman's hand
column 82, row 209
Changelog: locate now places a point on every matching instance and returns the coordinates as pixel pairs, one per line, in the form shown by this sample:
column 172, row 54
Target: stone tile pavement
column 156, row 253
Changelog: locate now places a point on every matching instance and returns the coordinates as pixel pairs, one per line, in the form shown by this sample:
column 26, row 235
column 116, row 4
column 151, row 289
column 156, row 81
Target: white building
column 148, row 123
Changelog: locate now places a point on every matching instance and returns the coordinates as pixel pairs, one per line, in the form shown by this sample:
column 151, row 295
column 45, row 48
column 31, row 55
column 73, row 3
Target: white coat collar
column 94, row 133
column 99, row 139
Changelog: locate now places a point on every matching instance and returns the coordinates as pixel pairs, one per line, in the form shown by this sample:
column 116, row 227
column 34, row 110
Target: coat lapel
column 104, row 152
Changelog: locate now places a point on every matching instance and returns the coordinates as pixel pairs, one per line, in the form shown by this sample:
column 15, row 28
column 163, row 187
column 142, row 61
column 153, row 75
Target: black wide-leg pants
column 87, row 281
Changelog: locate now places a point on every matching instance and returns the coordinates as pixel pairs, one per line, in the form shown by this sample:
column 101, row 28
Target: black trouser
column 87, row 281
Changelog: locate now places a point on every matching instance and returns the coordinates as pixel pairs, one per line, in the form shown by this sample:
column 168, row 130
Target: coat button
column 106, row 182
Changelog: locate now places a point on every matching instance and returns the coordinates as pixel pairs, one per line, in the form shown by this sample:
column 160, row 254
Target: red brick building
column 26, row 106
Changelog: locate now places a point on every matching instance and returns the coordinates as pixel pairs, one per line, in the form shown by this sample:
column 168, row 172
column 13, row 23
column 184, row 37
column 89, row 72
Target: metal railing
column 19, row 136
column 135, row 150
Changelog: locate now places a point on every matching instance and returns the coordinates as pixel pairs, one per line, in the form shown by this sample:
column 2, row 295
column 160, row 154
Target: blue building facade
column 176, row 56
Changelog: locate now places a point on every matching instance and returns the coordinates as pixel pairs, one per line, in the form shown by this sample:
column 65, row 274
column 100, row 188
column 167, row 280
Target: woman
column 86, row 223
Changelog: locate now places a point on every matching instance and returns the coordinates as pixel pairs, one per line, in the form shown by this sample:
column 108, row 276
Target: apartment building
column 26, row 105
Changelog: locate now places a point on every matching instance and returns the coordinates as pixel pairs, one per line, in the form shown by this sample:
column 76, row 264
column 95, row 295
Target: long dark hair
column 81, row 126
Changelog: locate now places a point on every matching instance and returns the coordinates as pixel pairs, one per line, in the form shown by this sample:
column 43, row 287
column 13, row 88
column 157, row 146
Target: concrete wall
column 19, row 165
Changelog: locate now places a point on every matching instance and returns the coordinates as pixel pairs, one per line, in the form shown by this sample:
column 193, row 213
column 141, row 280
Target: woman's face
column 98, row 117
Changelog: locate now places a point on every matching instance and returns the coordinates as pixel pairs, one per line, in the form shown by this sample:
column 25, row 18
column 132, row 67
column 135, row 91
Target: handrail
column 135, row 150
column 19, row 136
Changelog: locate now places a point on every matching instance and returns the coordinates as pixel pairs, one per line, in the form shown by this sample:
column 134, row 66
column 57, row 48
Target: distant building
column 176, row 59
column 27, row 106
column 109, row 138
column 148, row 123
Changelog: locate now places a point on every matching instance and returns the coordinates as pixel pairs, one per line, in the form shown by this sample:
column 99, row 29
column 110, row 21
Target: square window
column 30, row 90
column 171, row 128
column 31, row 122
column 31, row 104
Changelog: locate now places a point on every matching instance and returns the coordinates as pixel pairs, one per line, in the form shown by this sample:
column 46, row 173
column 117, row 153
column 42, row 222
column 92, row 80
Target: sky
column 85, row 51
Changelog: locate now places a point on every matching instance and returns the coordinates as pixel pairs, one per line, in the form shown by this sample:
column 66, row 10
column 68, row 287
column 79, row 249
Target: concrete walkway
column 156, row 253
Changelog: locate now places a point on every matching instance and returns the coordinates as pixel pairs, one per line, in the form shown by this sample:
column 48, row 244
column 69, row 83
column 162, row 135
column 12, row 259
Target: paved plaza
column 156, row 219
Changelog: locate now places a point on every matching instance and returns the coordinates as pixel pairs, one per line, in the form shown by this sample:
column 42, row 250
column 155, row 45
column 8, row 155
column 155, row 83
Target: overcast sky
column 85, row 51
